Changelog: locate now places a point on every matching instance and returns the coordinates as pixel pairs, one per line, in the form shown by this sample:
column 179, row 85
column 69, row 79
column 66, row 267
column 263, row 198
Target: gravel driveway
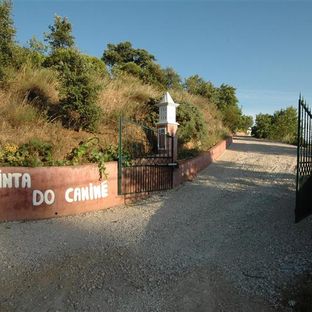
column 224, row 242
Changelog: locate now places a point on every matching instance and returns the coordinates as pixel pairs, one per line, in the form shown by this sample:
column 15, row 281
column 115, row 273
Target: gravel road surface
column 225, row 242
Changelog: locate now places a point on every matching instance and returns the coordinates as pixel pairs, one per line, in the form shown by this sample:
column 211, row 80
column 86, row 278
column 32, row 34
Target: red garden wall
column 37, row 193
column 188, row 169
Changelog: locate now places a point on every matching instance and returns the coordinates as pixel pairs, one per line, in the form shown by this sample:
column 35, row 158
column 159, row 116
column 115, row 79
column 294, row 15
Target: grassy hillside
column 54, row 99
column 30, row 94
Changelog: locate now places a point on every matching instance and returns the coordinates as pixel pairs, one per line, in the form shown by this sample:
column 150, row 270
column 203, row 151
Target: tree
column 7, row 34
column 232, row 117
column 226, row 97
column 192, row 124
column 284, row 125
column 79, row 92
column 198, row 86
column 96, row 66
column 227, row 102
column 245, row 122
column 36, row 45
column 172, row 80
column 263, row 126
column 36, row 51
column 123, row 52
column 60, row 35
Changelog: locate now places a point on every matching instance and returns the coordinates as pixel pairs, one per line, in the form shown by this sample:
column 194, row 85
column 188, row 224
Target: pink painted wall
column 18, row 203
column 37, row 193
column 188, row 169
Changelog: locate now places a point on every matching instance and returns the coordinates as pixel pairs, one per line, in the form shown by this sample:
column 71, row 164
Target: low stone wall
column 38, row 193
column 189, row 168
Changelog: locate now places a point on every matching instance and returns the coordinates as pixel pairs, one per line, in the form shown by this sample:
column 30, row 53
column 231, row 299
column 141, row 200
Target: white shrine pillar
column 167, row 125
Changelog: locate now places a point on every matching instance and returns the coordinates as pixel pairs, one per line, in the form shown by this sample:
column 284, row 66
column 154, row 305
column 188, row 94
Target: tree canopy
column 123, row 52
column 7, row 35
column 281, row 126
column 60, row 35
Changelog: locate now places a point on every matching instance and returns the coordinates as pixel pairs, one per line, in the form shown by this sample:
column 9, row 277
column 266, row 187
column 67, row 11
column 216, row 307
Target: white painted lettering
column 7, row 180
column 90, row 191
column 67, row 197
column 104, row 189
column 38, row 198
column 16, row 177
column 84, row 193
column 97, row 191
column 77, row 194
column 49, row 197
column 26, row 180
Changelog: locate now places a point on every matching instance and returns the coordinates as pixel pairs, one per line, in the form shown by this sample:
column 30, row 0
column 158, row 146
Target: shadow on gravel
column 234, row 230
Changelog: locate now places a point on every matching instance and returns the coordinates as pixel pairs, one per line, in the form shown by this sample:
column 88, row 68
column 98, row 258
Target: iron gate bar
column 142, row 167
column 304, row 162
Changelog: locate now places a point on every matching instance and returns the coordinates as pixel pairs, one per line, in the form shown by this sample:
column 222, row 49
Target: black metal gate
column 304, row 162
column 145, row 160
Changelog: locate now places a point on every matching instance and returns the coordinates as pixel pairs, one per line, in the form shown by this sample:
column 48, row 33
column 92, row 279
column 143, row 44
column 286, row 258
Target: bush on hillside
column 193, row 128
column 79, row 91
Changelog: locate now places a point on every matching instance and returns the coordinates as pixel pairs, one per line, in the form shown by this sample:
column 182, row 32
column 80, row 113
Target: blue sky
column 263, row 48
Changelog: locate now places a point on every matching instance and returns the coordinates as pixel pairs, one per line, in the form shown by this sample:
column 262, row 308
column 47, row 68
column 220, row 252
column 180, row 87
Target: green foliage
column 171, row 78
column 36, row 45
column 60, row 35
column 263, row 126
column 281, row 126
column 224, row 98
column 227, row 102
column 232, row 117
column 36, row 51
column 137, row 62
column 95, row 66
column 7, row 33
column 245, row 122
column 90, row 152
column 192, row 124
column 130, row 68
column 79, row 90
column 123, row 52
column 284, row 125
column 153, row 74
column 198, row 86
column 35, row 153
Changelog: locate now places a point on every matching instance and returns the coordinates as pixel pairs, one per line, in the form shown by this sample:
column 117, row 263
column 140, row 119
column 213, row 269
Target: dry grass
column 37, row 85
column 126, row 95
column 26, row 98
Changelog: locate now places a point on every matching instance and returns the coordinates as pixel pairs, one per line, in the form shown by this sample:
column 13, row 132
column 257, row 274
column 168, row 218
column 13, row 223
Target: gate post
column 120, row 156
column 167, row 126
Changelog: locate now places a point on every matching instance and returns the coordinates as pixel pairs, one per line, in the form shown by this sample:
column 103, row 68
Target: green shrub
column 192, row 124
column 79, row 91
column 95, row 66
column 91, row 152
column 35, row 153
